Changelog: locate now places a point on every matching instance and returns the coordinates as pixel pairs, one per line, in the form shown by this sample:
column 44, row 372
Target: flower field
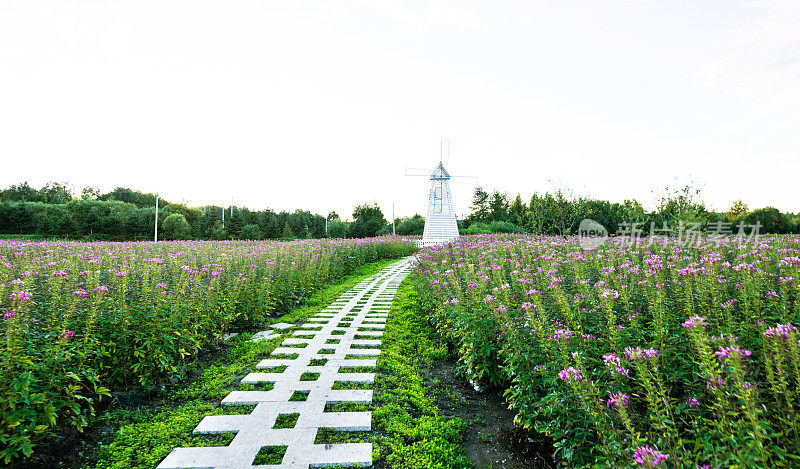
column 645, row 355
column 80, row 319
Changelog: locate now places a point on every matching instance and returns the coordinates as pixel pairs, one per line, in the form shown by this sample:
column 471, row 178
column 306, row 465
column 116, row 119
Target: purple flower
column 569, row 374
column 613, row 363
column 22, row 295
column 638, row 354
column 67, row 334
column 607, row 293
column 488, row 299
column 726, row 352
column 80, row 292
column 647, row 455
column 502, row 309
column 617, row 399
column 563, row 334
column 691, row 401
column 694, row 321
column 781, row 331
column 101, row 289
column 10, row 314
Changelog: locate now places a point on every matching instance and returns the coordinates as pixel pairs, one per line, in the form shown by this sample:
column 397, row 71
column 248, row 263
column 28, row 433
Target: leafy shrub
column 81, row 317
column 628, row 352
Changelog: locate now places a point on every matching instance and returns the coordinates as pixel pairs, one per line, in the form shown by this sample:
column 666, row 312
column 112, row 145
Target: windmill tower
column 440, row 224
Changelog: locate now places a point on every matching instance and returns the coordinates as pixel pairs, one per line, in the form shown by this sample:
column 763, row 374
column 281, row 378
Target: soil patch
column 492, row 440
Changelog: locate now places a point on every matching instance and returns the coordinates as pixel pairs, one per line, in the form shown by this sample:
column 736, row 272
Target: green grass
column 143, row 435
column 270, row 455
column 286, row 420
column 299, row 396
column 308, row 376
column 411, row 433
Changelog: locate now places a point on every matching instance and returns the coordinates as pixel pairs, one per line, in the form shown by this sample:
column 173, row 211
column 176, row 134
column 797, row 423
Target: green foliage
column 413, row 226
column 337, row 229
column 369, row 220
column 770, row 219
column 416, row 436
column 566, row 330
column 251, row 231
column 176, row 227
column 80, row 317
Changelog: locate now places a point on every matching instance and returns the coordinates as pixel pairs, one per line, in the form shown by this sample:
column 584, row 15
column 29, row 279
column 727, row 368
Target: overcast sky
column 321, row 105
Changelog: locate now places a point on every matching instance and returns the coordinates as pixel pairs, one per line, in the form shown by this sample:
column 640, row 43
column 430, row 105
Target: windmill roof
column 440, row 172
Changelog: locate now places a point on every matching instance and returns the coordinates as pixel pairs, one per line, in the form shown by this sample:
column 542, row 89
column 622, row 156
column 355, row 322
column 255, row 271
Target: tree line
column 560, row 213
column 126, row 214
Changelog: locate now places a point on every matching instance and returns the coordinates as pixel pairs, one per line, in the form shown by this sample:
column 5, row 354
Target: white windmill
column 440, row 224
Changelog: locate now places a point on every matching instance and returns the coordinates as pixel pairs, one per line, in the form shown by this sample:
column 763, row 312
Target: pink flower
column 617, row 399
column 10, row 315
column 691, row 401
column 22, row 295
column 638, row 354
column 488, row 299
column 101, row 289
column 781, row 331
column 68, row 334
column 607, row 293
column 613, row 363
column 569, row 374
column 80, row 292
column 647, row 455
column 563, row 334
column 694, row 321
column 736, row 351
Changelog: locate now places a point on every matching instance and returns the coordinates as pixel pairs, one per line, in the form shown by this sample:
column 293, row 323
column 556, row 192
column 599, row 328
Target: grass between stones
column 139, row 436
column 410, row 433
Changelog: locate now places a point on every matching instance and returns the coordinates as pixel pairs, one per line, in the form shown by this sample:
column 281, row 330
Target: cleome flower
column 694, row 321
column 613, row 363
column 780, row 331
column 570, row 374
column 646, row 455
column 617, row 399
column 635, row 354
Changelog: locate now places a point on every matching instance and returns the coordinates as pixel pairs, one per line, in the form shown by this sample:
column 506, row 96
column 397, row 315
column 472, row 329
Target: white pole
column 326, row 227
column 223, row 214
column 393, row 233
column 155, row 234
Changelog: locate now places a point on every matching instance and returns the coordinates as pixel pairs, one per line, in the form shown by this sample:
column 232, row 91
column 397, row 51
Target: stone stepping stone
column 264, row 335
column 281, row 326
column 301, row 378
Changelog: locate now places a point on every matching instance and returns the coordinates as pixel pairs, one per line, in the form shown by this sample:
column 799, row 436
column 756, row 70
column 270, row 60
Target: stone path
column 308, row 378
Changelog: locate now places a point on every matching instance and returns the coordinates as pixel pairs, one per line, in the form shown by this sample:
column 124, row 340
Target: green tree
column 337, row 229
column 287, row 231
column 771, row 220
column 737, row 211
column 251, row 231
column 480, row 205
column 176, row 227
column 219, row 232
column 518, row 211
column 90, row 193
column 368, row 222
column 498, row 206
column 56, row 193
